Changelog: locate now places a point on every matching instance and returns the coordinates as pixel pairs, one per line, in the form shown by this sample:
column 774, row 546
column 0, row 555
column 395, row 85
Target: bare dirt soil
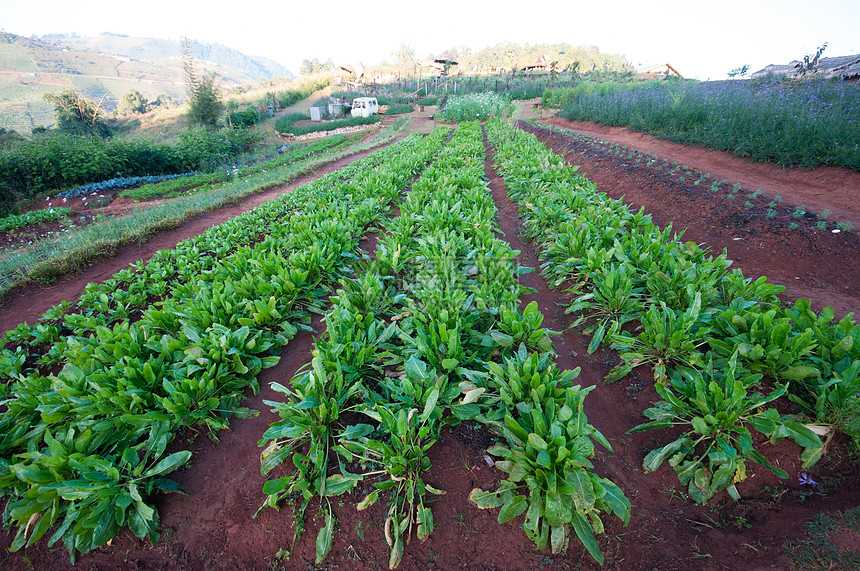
column 212, row 526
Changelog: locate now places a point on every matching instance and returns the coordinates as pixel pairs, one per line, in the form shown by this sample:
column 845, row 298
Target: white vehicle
column 364, row 106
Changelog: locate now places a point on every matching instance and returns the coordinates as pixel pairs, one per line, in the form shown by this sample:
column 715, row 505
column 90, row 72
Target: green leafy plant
column 715, row 409
column 549, row 477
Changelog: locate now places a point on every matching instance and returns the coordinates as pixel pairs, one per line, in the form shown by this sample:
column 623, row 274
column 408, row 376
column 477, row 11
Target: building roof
column 844, row 67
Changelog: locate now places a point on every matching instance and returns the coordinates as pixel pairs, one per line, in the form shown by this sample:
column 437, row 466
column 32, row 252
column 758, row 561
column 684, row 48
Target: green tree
column 133, row 102
column 76, row 114
column 204, row 96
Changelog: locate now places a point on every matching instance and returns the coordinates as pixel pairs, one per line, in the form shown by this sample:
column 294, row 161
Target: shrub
column 246, row 117
column 478, row 106
column 62, row 161
column 398, row 109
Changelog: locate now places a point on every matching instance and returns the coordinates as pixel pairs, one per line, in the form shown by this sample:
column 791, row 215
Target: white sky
column 700, row 39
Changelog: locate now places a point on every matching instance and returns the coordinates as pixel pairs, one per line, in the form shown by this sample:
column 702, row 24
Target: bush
column 61, row 161
column 398, row 109
column 478, row 106
column 246, row 117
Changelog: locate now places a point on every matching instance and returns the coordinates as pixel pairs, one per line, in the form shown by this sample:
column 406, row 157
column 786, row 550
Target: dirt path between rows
column 29, row 302
column 835, row 189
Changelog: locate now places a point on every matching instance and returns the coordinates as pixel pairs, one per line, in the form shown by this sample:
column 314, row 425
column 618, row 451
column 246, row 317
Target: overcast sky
column 700, row 39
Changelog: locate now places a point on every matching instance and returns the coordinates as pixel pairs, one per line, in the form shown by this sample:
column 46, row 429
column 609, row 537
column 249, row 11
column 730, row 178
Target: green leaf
column 536, row 442
column 557, row 538
column 430, row 405
column 486, row 500
column 514, row 507
column 799, row 372
column 657, row 456
column 168, row 464
column 368, row 500
column 585, row 533
column 324, row 537
column 502, row 339
column 337, row 484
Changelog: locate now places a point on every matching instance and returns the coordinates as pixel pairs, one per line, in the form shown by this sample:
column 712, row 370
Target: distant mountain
column 104, row 69
column 154, row 49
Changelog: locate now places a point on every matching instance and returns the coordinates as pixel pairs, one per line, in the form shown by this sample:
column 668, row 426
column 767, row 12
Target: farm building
column 661, row 71
column 845, row 67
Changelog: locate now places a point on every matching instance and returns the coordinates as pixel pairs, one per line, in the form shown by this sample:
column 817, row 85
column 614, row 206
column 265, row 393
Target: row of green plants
column 99, row 390
column 45, row 260
column 723, row 350
column 807, row 123
column 475, row 107
column 61, row 161
column 182, row 186
column 775, row 208
column 429, row 333
column 399, row 109
column 287, row 124
column 16, row 221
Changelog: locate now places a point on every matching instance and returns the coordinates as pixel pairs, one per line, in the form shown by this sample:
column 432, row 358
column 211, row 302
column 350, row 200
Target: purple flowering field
column 803, row 123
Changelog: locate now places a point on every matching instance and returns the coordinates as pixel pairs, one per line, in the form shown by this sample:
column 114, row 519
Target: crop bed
column 437, row 378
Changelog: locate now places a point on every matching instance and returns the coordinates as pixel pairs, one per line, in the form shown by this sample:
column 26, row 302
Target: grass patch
column 826, row 546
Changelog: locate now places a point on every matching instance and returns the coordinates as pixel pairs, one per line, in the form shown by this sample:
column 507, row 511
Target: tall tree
column 204, row 95
column 404, row 57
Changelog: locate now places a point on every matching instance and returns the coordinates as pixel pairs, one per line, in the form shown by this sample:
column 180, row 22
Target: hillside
column 105, row 68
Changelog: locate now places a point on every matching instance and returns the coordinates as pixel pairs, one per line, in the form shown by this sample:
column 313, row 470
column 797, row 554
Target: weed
column 460, row 518
column 817, row 550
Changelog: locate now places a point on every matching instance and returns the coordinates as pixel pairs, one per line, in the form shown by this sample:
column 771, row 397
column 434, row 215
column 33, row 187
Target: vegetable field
column 457, row 352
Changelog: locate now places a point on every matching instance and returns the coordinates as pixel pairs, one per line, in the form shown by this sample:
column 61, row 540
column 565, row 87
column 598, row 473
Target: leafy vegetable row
column 430, row 333
column 83, row 448
column 710, row 334
column 130, row 292
column 15, row 221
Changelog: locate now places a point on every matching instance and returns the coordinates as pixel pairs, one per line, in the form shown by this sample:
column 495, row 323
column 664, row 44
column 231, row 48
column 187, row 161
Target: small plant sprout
column 736, row 187
column 792, row 226
column 806, row 480
column 844, row 226
column 821, row 225
column 748, row 204
column 799, row 211
column 730, row 196
column 771, row 214
column 755, row 194
column 824, row 214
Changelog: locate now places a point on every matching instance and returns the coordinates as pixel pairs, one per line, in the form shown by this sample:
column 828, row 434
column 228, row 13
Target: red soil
column 212, row 527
